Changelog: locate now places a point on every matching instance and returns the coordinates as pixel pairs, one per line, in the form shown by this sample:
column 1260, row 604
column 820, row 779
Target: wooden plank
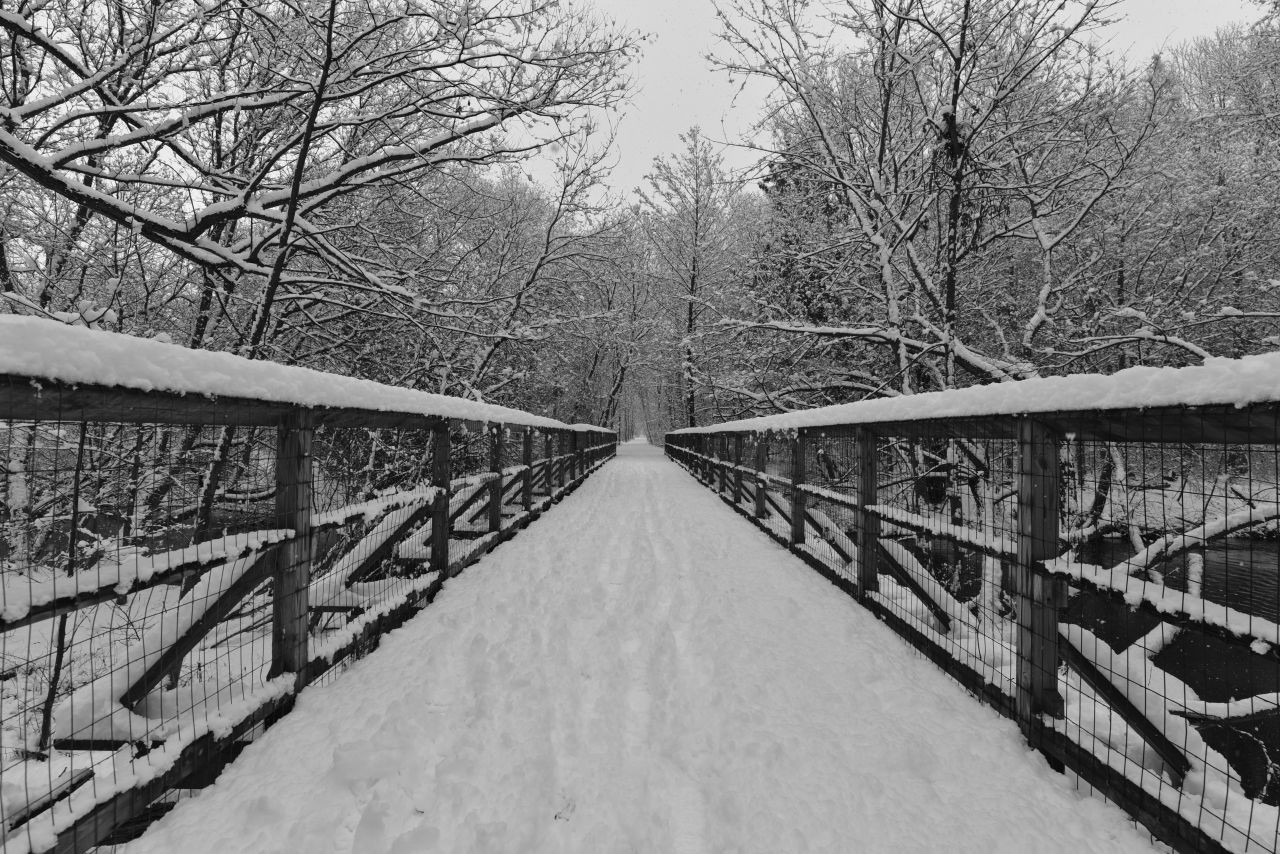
column 908, row 581
column 775, row 502
column 799, row 449
column 24, row 399
column 291, row 581
column 61, row 789
column 138, row 824
column 1164, row 823
column 1257, row 423
column 512, row 486
column 1038, row 595
column 249, row 580
column 967, row 538
column 471, row 501
column 1178, row 618
column 186, row 571
column 830, row 540
column 97, row 825
column 1174, row 759
column 384, row 549
column 441, row 449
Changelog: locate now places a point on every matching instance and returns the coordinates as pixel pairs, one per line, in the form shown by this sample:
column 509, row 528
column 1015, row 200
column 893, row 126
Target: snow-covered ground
column 641, row 671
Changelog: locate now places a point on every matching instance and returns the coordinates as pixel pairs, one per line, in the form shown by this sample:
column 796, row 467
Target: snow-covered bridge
column 191, row 539
column 642, row 671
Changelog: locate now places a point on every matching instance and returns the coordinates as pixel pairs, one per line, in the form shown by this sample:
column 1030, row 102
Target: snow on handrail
column 1223, row 382
column 47, row 350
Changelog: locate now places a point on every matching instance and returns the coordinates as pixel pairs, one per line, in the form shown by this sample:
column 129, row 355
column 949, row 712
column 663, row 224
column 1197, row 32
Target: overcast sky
column 677, row 88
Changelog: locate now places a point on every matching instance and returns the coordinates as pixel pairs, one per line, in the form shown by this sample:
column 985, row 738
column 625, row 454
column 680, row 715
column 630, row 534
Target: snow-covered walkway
column 641, row 671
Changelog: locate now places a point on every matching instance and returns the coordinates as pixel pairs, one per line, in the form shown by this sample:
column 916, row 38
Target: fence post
column 573, row 456
column 722, row 457
column 441, row 450
column 570, row 451
column 526, row 491
column 762, row 462
column 548, row 468
column 737, row 469
column 868, row 523
column 497, row 438
column 1038, row 594
column 560, row 463
column 799, row 446
column 549, row 445
column 292, row 577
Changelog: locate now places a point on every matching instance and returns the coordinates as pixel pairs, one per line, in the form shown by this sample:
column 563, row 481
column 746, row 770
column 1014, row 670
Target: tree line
column 414, row 191
column 956, row 193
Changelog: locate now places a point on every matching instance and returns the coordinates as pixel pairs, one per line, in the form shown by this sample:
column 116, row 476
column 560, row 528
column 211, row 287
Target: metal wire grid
column 1181, row 695
column 373, row 496
column 89, row 672
column 1159, row 658
column 137, row 563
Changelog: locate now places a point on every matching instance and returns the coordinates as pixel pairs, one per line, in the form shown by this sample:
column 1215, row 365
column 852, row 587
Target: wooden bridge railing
column 1097, row 558
column 187, row 539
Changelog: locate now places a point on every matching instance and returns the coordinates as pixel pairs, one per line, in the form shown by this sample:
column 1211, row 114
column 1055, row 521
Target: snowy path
column 641, row 671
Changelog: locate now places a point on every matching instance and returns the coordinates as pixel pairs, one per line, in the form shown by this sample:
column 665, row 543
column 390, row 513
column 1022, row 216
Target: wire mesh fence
column 1109, row 581
column 169, row 583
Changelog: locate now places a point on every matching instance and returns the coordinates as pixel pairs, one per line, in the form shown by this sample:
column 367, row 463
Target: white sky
column 677, row 88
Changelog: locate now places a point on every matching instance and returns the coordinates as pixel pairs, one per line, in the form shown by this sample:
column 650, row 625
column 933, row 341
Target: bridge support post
column 292, row 577
column 526, row 490
column 575, row 467
column 762, row 461
column 722, row 456
column 548, row 466
column 1038, row 595
column 441, row 450
column 868, row 523
column 737, row 469
column 799, row 447
column 561, row 464
column 497, row 439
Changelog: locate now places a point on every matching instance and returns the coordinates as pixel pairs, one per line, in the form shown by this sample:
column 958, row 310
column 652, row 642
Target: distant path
column 641, row 671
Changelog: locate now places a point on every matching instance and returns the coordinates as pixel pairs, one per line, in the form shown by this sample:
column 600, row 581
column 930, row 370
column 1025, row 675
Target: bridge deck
column 641, row 671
